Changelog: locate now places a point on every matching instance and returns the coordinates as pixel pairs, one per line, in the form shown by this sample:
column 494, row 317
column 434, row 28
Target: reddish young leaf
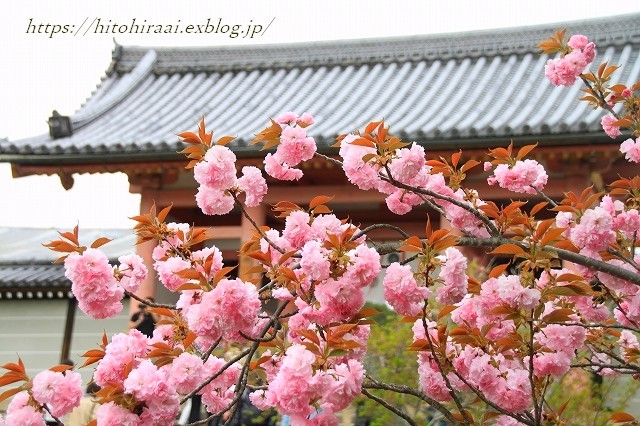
column 9, row 393
column 621, row 417
column 508, row 249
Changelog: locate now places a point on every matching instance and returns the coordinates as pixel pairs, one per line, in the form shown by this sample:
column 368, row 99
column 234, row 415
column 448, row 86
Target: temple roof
column 453, row 90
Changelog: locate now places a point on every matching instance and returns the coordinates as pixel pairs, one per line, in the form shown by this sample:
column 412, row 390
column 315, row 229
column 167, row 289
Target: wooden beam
column 68, row 329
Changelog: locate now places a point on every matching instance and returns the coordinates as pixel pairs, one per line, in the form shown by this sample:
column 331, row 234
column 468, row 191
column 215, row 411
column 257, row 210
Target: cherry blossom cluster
column 407, row 297
column 299, row 389
column 525, row 177
column 216, row 174
column 60, row 392
column 294, row 147
column 501, row 379
column 228, row 311
column 98, row 287
column 408, row 167
column 150, row 393
column 563, row 71
column 170, row 257
column 331, row 278
column 631, row 149
column 595, row 229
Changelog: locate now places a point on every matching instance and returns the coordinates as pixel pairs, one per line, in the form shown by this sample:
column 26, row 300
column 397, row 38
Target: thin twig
column 624, row 258
column 389, row 407
column 255, row 225
column 150, row 303
column 452, row 392
column 479, row 394
column 215, row 376
column 546, row 198
column 598, row 95
column 375, row 384
column 537, row 408
column 208, row 353
column 626, row 369
column 380, row 226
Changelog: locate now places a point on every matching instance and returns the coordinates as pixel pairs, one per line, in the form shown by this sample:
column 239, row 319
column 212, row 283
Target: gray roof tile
column 446, row 89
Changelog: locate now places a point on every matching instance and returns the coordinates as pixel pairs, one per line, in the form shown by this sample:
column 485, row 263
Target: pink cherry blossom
column 577, row 41
column 213, row 201
column 60, row 391
column 110, row 414
column 343, row 385
column 631, row 149
column 168, row 272
column 218, row 168
column 122, row 349
column 432, row 382
column 627, row 222
column 314, row 262
column 628, row 340
column 207, row 254
column 295, row 146
column 93, row 283
column 359, row 173
column 339, row 301
column 524, row 177
column 297, row 229
column 185, row 373
column 408, row 162
column 565, row 70
column 133, row 272
column 253, row 185
column 608, row 127
column 287, row 117
column 402, row 201
column 20, row 413
column 295, row 386
column 276, row 168
column 594, row 231
column 143, row 380
column 453, row 274
column 554, row 364
column 231, row 307
column 219, row 392
column 305, row 119
column 561, row 338
column 365, row 267
column 402, row 292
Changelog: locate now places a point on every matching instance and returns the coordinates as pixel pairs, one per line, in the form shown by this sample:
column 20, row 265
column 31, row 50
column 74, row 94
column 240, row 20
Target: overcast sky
column 43, row 71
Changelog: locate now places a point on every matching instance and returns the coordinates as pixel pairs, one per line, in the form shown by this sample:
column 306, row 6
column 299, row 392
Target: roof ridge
column 606, row 31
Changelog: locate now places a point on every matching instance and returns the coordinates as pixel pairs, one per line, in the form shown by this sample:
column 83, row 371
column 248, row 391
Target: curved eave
column 164, row 160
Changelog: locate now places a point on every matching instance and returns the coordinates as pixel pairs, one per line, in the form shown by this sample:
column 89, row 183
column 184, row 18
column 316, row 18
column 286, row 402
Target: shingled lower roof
column 452, row 90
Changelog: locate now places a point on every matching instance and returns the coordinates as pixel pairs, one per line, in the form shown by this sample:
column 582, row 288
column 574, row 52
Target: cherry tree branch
column 255, row 225
column 216, row 375
column 563, row 254
column 150, row 303
column 375, row 384
column 526, row 420
column 389, row 407
column 380, row 226
column 452, row 392
column 599, row 96
column 488, row 224
column 477, row 213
